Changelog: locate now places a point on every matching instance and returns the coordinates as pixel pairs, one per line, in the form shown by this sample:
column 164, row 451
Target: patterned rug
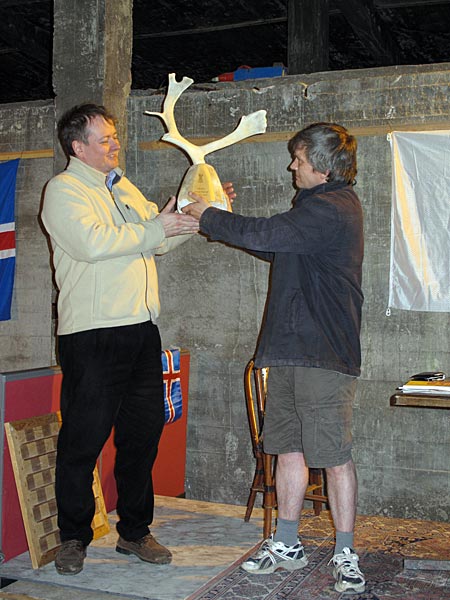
column 382, row 545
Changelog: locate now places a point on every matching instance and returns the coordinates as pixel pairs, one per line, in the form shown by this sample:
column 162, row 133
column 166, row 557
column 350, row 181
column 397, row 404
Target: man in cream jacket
column 104, row 236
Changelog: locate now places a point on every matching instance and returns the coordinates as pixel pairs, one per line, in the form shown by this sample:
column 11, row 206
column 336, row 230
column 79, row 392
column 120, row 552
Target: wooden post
column 307, row 36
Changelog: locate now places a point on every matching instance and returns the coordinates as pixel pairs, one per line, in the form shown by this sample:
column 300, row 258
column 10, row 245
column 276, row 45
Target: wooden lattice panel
column 32, row 445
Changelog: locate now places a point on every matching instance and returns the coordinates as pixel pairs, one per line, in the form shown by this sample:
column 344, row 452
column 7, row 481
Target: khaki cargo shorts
column 309, row 410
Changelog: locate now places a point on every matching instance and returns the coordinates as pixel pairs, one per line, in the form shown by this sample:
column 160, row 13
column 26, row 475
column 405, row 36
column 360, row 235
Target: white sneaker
column 346, row 572
column 276, row 555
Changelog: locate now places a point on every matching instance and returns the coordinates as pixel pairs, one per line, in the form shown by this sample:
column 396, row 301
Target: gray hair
column 328, row 147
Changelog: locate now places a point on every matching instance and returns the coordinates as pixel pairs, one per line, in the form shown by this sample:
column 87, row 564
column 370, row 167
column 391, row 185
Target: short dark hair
column 74, row 123
column 328, row 147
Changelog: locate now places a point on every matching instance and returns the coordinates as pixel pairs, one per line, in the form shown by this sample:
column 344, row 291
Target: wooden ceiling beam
column 407, row 3
column 16, row 3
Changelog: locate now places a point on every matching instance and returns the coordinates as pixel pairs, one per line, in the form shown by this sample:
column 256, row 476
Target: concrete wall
column 26, row 341
column 213, row 296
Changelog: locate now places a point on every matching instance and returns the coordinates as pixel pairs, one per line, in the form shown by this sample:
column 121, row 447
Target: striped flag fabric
column 173, row 400
column 8, row 173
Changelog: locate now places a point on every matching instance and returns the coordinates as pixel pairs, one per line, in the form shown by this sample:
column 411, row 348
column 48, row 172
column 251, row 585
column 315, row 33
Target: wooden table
column 421, row 400
column 428, row 400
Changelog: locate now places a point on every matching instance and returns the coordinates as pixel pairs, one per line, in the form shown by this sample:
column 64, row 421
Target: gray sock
column 344, row 539
column 286, row 532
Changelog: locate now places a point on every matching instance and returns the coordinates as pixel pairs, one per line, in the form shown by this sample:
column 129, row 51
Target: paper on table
column 427, row 387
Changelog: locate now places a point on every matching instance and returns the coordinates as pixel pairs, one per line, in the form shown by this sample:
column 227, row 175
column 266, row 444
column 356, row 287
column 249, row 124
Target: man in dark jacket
column 309, row 339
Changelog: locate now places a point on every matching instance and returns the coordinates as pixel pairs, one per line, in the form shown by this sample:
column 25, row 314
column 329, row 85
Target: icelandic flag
column 8, row 172
column 173, row 401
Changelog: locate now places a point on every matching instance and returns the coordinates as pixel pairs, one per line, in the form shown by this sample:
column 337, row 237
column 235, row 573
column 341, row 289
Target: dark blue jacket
column 313, row 313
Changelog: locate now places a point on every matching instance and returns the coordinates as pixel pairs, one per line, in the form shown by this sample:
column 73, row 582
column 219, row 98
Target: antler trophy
column 200, row 177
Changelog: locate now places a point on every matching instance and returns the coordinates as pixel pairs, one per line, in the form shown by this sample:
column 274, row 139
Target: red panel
column 24, row 398
column 106, row 472
column 35, row 396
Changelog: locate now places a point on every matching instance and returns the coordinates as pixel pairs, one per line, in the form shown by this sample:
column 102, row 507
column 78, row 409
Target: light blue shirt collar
column 113, row 177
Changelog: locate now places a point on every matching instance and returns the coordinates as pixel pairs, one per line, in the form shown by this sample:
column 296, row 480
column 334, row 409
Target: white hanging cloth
column 420, row 221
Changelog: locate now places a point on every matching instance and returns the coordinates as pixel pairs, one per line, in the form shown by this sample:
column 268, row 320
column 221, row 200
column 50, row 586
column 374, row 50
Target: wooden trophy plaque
column 202, row 178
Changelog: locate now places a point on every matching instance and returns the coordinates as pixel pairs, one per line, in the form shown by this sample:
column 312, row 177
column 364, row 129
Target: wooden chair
column 255, row 386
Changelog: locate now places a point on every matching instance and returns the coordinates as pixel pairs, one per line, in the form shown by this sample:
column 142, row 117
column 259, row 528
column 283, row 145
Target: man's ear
column 77, row 147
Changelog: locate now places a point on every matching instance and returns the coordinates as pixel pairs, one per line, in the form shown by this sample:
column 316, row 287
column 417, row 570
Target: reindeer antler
column 248, row 125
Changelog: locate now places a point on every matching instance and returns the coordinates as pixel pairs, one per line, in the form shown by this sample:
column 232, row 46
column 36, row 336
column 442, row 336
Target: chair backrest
column 255, row 387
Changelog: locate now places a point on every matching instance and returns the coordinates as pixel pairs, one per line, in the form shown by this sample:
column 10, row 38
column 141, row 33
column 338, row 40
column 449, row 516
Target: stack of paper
column 427, row 387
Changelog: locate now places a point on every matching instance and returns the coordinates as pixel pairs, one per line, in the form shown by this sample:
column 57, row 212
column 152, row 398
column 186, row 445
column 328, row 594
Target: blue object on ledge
column 245, row 72
column 259, row 73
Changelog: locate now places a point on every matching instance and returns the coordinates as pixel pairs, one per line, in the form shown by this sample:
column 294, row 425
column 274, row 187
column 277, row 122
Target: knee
column 340, row 470
column 291, row 460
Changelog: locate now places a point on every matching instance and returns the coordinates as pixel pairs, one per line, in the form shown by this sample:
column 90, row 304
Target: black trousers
column 111, row 377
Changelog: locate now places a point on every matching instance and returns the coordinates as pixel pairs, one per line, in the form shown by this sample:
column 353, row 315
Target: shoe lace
column 346, row 564
column 348, row 567
column 264, row 548
column 142, row 541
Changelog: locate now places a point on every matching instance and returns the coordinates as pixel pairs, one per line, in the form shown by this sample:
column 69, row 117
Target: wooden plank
column 265, row 138
column 384, row 129
column 100, row 523
column 284, row 136
column 44, row 153
column 32, row 445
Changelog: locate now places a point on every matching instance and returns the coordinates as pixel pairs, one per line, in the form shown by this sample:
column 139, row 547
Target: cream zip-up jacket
column 103, row 249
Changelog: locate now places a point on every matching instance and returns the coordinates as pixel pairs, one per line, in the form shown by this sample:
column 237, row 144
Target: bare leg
column 342, row 495
column 284, row 553
column 291, row 483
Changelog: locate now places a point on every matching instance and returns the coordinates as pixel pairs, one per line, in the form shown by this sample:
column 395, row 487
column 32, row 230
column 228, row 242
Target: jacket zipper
column 142, row 255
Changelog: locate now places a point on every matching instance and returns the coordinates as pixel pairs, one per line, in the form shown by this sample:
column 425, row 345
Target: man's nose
column 293, row 165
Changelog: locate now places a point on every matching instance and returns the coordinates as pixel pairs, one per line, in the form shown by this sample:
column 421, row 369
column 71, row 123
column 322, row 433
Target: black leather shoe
column 146, row 548
column 70, row 557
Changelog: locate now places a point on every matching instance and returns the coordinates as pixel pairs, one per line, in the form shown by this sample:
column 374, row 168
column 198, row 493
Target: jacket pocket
column 119, row 289
column 297, row 312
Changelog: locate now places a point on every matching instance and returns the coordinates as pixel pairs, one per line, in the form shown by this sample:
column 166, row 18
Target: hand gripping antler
column 248, row 125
